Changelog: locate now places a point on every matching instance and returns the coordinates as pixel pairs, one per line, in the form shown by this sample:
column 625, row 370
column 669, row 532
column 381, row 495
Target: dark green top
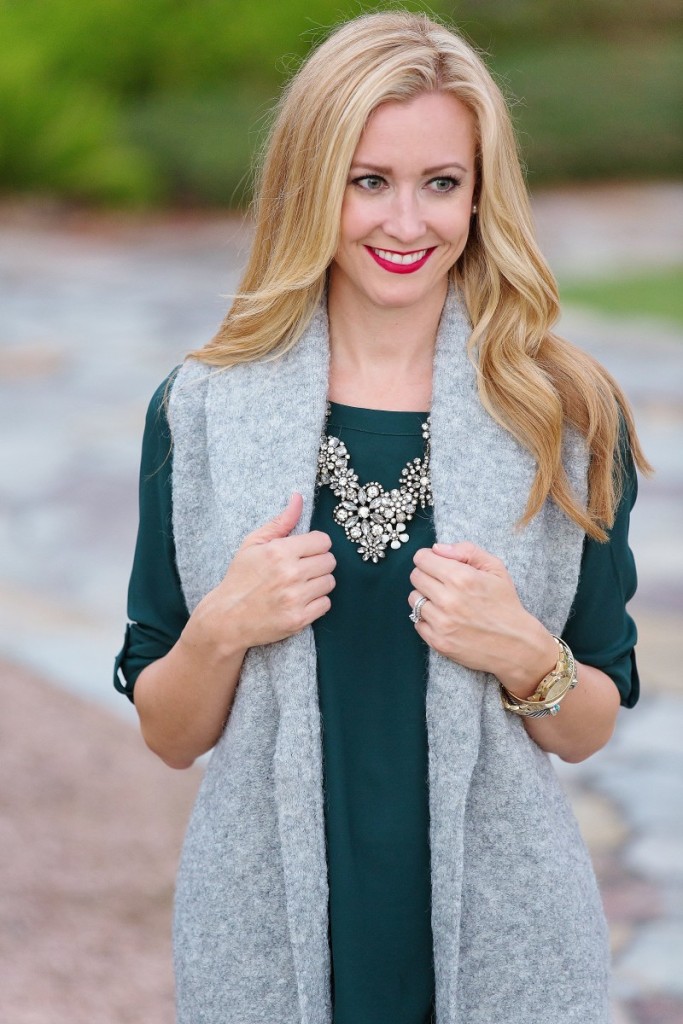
column 372, row 671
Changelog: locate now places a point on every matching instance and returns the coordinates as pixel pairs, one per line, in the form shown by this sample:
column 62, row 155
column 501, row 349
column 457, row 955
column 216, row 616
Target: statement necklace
column 374, row 519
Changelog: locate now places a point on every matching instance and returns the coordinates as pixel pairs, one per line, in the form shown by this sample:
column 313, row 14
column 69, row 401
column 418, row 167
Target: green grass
column 656, row 293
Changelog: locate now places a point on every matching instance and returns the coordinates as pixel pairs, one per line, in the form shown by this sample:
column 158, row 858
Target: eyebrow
column 428, row 170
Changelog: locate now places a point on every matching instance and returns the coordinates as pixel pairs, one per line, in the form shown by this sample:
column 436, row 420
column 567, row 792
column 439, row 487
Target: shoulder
column 189, row 378
column 156, row 440
column 157, row 408
column 176, row 403
column 625, row 466
column 185, row 393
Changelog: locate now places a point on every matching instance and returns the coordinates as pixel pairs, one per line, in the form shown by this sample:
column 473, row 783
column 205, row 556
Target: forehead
column 435, row 125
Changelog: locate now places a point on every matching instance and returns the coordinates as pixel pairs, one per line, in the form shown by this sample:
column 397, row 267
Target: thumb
column 470, row 554
column 280, row 526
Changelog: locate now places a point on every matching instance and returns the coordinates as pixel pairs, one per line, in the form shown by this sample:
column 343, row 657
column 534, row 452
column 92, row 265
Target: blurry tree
column 141, row 101
column 511, row 23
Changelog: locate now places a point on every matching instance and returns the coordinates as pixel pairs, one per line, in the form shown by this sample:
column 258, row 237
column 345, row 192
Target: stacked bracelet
column 550, row 692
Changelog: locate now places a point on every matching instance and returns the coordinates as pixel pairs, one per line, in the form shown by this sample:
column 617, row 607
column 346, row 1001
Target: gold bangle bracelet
column 550, row 692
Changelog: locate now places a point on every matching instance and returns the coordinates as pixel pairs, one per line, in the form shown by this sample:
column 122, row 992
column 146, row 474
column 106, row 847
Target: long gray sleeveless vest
column 519, row 934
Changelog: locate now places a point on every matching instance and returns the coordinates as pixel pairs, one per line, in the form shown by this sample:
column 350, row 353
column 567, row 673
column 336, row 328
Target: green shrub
column 142, row 101
column 592, row 109
column 503, row 24
column 203, row 144
column 59, row 138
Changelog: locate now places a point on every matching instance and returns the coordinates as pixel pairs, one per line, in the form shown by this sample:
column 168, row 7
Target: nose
column 404, row 219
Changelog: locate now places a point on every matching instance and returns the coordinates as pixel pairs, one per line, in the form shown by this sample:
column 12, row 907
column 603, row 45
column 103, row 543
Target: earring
column 474, row 209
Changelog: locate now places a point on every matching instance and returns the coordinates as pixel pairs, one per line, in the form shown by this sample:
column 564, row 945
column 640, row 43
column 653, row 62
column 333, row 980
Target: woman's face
column 408, row 203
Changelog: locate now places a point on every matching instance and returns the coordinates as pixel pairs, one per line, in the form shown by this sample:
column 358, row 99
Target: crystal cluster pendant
column 374, row 519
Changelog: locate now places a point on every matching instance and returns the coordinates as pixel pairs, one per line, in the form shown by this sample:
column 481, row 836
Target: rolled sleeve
column 156, row 606
column 600, row 630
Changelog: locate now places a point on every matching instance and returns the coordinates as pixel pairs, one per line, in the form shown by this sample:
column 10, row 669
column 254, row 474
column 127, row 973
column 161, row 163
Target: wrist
column 537, row 656
column 551, row 690
column 213, row 633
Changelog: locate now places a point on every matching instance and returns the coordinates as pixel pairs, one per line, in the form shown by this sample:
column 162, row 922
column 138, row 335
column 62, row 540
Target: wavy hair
column 530, row 380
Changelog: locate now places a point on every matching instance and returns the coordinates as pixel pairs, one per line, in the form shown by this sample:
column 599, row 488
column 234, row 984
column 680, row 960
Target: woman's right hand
column 275, row 586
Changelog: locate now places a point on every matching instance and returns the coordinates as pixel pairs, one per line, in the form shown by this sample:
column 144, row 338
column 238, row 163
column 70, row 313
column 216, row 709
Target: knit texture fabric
column 519, row 932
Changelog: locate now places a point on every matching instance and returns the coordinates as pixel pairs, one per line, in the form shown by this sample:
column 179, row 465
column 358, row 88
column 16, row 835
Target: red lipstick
column 400, row 268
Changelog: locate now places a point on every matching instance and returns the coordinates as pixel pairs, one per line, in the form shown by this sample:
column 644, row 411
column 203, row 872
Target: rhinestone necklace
column 374, row 519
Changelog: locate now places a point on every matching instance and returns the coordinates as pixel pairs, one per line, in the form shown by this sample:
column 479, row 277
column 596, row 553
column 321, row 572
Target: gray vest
column 519, row 933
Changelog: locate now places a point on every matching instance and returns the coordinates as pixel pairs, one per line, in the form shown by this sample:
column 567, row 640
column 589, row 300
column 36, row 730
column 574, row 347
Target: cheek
column 458, row 228
column 360, row 217
column 352, row 221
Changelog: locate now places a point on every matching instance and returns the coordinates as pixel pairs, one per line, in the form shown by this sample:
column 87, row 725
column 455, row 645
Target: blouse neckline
column 376, row 421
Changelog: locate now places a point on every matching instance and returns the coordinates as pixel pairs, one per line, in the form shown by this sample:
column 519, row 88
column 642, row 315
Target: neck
column 381, row 357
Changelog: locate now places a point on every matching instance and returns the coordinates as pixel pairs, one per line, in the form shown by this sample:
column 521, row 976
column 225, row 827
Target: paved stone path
column 94, row 312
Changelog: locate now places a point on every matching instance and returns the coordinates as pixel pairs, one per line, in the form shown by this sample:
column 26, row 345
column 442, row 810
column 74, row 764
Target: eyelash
column 453, row 182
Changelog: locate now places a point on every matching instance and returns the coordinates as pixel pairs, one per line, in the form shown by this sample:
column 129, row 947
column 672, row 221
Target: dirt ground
column 90, row 830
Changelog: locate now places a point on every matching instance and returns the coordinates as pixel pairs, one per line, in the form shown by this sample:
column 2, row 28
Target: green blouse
column 372, row 672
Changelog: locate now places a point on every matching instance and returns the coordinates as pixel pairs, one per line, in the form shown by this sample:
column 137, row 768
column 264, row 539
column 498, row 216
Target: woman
column 380, row 836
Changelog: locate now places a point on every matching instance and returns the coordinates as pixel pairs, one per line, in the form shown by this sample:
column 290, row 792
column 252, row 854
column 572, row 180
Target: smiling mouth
column 400, row 262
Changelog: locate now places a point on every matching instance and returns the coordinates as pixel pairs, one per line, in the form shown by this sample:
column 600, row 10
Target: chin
column 383, row 290
column 404, row 293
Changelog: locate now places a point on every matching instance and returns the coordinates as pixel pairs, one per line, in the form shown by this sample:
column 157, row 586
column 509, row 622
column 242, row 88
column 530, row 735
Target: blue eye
column 446, row 184
column 369, row 182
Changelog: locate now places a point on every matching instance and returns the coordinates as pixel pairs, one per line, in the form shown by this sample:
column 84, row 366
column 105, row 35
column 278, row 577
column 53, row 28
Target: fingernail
column 442, row 547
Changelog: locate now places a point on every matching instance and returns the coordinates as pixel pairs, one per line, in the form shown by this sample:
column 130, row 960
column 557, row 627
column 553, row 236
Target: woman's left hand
column 473, row 615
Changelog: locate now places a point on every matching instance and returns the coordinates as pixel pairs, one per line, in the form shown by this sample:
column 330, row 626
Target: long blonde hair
column 530, row 380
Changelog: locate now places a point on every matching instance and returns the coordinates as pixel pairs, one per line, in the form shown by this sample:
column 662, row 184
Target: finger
column 425, row 631
column 469, row 554
column 426, row 584
column 318, row 587
column 426, row 608
column 316, row 608
column 280, row 526
column 438, row 567
column 441, row 567
column 413, row 597
column 303, row 545
column 313, row 566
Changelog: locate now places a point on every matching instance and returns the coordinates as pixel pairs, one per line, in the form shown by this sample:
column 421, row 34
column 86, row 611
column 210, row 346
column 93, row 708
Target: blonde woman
column 384, row 573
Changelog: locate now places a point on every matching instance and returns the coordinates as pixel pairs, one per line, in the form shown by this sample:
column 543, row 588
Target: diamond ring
column 416, row 613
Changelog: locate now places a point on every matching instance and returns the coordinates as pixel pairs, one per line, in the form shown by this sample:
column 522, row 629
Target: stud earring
column 474, row 209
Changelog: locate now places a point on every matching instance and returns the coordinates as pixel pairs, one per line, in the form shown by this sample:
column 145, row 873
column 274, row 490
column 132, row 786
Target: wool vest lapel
column 269, row 417
column 480, row 480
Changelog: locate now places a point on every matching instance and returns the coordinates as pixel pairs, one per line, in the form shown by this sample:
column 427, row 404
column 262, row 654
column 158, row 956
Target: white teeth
column 397, row 257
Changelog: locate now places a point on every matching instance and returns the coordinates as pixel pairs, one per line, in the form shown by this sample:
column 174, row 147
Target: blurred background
column 165, row 101
column 127, row 134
